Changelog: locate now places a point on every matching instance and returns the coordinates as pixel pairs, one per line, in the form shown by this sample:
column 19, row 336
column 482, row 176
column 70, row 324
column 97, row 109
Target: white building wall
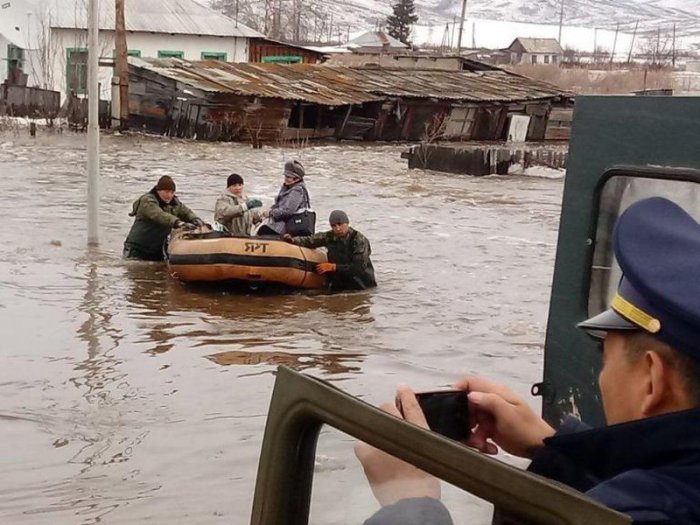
column 3, row 58
column 236, row 49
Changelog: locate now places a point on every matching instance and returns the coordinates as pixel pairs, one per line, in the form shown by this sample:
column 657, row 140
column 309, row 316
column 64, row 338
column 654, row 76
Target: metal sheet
column 335, row 85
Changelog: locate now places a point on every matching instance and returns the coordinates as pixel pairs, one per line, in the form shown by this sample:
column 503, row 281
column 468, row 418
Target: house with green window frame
column 48, row 38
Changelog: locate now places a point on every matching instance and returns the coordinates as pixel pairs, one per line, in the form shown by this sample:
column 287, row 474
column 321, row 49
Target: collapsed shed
column 213, row 100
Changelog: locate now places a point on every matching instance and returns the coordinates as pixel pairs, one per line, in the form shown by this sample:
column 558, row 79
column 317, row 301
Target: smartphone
column 447, row 412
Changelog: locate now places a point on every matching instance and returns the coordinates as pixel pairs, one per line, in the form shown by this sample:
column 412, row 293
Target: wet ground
column 127, row 398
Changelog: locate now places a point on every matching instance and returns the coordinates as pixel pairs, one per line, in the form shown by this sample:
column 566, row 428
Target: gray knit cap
column 338, row 217
column 294, row 168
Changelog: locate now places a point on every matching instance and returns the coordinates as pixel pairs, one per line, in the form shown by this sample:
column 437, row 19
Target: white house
column 51, row 37
column 536, row 51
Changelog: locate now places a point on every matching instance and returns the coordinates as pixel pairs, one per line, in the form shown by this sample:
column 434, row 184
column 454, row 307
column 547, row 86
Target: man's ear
column 664, row 391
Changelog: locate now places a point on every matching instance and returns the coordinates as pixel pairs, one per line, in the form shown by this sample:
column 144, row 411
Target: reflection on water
column 128, row 397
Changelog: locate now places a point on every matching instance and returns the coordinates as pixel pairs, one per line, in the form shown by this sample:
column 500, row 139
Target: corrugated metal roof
column 540, row 45
column 184, row 17
column 337, row 86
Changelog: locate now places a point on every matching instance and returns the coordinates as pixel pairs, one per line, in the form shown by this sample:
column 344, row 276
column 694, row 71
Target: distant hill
column 604, row 14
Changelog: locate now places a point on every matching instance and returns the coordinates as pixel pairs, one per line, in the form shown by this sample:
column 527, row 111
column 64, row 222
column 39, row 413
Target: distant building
column 48, row 38
column 535, row 51
column 376, row 42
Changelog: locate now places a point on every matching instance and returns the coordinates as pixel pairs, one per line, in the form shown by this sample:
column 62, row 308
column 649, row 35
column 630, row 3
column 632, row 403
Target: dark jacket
column 290, row 200
column 354, row 270
column 154, row 218
column 648, row 469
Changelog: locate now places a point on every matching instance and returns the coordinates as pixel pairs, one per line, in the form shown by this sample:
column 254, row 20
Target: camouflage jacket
column 232, row 212
column 354, row 270
column 154, row 218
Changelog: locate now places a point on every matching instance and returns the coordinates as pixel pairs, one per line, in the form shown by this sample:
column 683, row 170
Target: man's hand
column 287, row 238
column 186, row 225
column 325, row 267
column 391, row 479
column 503, row 418
column 198, row 222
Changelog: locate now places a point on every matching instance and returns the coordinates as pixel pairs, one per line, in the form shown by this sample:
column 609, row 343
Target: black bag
column 301, row 224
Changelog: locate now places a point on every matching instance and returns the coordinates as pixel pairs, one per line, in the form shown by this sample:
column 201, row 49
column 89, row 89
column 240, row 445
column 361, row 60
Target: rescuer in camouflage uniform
column 156, row 212
column 349, row 266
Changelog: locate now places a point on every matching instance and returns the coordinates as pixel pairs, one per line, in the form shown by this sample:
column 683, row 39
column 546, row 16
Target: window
column 534, row 59
column 286, row 59
column 76, row 70
column 171, row 54
column 546, row 59
column 15, row 61
column 214, row 55
column 129, row 53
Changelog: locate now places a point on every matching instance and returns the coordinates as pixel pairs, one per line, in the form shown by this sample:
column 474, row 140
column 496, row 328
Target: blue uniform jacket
column 648, row 469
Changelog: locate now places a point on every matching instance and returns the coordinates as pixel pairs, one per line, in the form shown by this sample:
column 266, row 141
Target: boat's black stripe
column 243, row 260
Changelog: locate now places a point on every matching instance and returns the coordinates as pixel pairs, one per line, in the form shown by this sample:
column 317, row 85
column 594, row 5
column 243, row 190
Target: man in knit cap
column 349, row 266
column 234, row 211
column 155, row 214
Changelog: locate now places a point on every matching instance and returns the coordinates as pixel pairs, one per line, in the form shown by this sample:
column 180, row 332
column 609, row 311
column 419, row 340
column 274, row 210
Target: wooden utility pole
column 595, row 45
column 673, row 49
column 634, row 34
column 612, row 55
column 561, row 20
column 461, row 27
column 122, row 64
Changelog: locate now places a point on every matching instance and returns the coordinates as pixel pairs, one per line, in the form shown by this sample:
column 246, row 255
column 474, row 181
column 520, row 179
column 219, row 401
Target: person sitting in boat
column 234, row 211
column 349, row 266
column 156, row 213
column 292, row 199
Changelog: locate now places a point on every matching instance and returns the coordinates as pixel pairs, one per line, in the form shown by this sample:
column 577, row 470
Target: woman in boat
column 292, row 199
column 234, row 211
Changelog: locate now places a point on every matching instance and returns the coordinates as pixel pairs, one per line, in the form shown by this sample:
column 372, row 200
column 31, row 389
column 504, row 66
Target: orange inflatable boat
column 214, row 256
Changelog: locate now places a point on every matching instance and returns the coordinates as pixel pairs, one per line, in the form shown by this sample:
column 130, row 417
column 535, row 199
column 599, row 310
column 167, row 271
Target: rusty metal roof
column 337, row 86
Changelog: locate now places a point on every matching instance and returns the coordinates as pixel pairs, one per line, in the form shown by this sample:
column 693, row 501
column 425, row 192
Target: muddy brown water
column 126, row 397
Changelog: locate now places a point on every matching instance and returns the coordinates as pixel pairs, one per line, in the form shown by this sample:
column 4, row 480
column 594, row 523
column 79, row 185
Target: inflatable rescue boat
column 215, row 256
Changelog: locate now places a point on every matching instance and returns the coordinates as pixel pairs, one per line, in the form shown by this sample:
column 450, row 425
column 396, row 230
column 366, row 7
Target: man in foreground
column 646, row 462
column 156, row 213
column 349, row 266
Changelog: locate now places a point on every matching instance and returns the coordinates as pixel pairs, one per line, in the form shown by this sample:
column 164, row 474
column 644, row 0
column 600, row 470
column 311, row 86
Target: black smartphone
column 447, row 412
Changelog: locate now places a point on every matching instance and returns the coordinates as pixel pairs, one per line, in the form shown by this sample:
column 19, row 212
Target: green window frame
column 165, row 53
column 214, row 55
column 76, row 71
column 129, row 53
column 281, row 59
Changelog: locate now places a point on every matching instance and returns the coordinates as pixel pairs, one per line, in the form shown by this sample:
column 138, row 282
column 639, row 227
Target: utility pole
column 236, row 16
column 658, row 41
column 612, row 55
column 93, row 153
column 452, row 36
column 473, row 34
column 561, row 20
column 634, row 34
column 595, row 45
column 673, row 49
column 461, row 27
column 122, row 65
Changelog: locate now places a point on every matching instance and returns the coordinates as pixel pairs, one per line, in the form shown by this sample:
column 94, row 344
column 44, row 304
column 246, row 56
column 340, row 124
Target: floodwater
column 126, row 397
